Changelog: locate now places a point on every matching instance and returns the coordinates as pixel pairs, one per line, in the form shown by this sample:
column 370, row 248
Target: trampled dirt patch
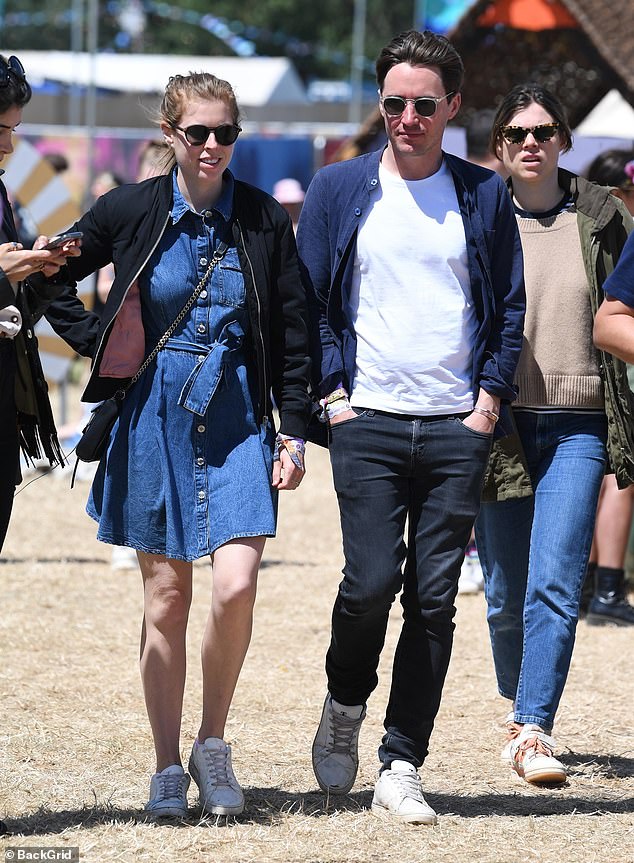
column 76, row 752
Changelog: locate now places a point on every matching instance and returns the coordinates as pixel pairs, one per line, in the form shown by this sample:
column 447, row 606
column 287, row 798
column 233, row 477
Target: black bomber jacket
column 124, row 227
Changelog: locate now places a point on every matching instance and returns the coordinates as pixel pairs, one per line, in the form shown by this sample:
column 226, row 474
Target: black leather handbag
column 94, row 439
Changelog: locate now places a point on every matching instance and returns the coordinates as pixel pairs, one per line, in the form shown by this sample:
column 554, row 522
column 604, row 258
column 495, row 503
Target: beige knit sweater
column 558, row 365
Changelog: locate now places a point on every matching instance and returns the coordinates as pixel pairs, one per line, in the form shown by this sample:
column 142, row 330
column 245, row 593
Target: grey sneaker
column 210, row 767
column 335, row 747
column 168, row 793
column 398, row 794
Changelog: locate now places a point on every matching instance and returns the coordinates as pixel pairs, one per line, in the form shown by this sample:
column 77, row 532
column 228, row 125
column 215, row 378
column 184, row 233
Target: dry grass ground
column 76, row 752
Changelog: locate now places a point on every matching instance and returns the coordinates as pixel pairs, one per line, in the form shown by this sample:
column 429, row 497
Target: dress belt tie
column 202, row 384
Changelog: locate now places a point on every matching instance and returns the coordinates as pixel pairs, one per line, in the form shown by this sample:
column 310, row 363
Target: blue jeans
column 391, row 470
column 534, row 552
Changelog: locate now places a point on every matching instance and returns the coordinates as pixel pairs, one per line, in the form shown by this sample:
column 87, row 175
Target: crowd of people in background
column 488, row 445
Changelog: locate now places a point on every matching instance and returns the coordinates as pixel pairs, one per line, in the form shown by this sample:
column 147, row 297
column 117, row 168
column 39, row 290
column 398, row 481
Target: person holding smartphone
column 26, row 419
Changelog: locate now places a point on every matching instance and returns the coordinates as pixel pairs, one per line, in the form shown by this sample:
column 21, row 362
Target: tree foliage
column 316, row 35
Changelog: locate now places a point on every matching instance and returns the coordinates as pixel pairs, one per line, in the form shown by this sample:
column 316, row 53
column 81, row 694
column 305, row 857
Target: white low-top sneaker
column 168, row 793
column 336, row 746
column 532, row 757
column 398, row 794
column 123, row 558
column 210, row 767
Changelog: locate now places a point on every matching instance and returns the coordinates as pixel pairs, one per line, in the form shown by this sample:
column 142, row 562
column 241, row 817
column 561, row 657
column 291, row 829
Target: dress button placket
column 200, row 478
column 201, row 322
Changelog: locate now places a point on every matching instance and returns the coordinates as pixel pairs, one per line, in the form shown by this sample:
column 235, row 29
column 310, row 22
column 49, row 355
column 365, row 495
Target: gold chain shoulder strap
column 217, row 257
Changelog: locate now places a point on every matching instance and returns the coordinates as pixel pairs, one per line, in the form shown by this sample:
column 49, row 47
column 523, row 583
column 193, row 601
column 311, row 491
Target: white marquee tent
column 613, row 117
column 257, row 81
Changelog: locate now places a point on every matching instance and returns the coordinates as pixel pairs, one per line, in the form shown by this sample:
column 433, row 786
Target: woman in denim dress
column 194, row 466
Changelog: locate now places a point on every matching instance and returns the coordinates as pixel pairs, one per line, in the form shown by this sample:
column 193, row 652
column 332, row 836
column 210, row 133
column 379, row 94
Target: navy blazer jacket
column 338, row 196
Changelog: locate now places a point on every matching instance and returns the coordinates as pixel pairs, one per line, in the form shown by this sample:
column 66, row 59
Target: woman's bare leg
column 167, row 598
column 228, row 630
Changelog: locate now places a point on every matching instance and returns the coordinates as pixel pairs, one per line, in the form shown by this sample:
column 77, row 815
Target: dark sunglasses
column 425, row 106
column 517, row 134
column 197, row 135
column 9, row 67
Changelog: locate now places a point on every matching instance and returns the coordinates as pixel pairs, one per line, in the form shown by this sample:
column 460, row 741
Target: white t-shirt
column 411, row 301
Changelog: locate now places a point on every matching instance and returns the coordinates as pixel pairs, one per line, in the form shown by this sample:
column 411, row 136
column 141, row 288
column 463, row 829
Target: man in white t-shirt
column 414, row 275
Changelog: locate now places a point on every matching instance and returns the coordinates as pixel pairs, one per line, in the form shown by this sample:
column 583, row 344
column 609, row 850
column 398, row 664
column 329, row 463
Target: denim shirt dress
column 188, row 467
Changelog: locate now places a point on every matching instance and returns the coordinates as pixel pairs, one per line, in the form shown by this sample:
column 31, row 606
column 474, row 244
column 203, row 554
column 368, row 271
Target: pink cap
column 288, row 191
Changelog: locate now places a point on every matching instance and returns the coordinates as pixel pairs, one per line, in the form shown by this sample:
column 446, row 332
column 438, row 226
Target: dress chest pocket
column 230, row 281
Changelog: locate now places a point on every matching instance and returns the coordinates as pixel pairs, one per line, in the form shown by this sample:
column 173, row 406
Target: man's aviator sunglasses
column 198, row 134
column 518, row 134
column 9, row 67
column 425, row 106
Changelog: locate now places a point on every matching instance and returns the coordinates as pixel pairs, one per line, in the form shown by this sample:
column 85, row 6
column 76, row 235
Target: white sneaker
column 336, row 746
column 471, row 578
column 210, row 767
column 168, row 793
column 123, row 558
column 398, row 793
column 532, row 757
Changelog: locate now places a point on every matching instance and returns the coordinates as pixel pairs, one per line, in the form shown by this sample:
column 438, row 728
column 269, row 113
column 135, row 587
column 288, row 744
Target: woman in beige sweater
column 534, row 549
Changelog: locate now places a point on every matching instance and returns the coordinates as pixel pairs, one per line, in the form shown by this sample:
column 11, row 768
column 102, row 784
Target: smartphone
column 60, row 239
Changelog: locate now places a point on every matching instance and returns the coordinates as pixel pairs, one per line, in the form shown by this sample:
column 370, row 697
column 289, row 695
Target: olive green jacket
column 604, row 224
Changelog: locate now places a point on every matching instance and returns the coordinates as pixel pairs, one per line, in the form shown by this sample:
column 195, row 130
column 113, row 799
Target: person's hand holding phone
column 64, row 241
column 57, row 249
column 18, row 263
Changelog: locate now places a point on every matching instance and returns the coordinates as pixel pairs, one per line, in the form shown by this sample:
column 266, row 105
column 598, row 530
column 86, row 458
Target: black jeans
column 391, row 470
column 9, row 441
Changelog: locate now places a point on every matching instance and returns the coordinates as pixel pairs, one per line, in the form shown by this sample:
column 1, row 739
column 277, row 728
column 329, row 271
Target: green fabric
column 507, row 472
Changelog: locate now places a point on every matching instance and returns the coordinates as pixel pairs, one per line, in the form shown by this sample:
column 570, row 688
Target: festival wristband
column 338, row 407
column 334, row 403
column 294, row 446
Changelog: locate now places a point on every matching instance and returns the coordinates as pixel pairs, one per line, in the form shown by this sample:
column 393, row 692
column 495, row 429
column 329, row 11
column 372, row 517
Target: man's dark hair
column 422, row 49
column 16, row 91
column 521, row 96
